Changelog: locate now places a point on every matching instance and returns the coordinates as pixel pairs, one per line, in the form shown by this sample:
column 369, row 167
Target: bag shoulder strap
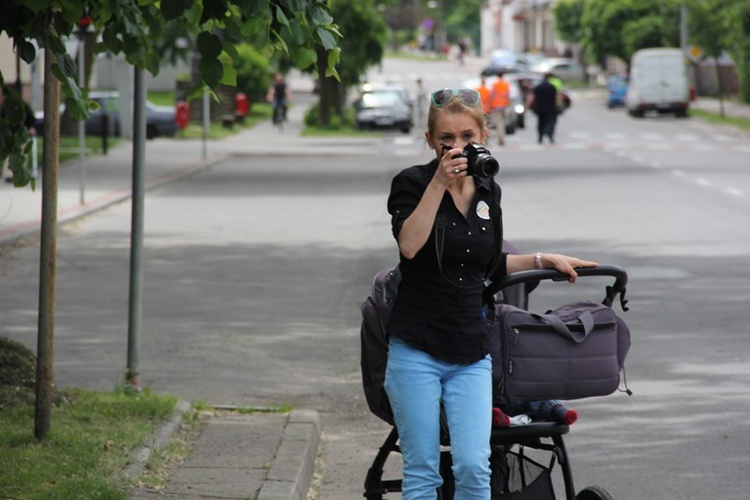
column 586, row 319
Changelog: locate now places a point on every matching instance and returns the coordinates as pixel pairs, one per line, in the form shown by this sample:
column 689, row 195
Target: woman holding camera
column 444, row 215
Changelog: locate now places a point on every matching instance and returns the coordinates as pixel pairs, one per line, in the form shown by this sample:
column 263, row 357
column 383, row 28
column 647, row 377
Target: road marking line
column 687, row 137
column 618, row 136
column 403, row 141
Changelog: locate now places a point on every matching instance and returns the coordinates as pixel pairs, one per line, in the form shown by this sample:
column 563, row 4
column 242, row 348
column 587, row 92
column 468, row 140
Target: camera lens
column 486, row 166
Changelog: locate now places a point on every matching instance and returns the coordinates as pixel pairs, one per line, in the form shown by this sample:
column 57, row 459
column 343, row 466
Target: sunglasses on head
column 467, row 96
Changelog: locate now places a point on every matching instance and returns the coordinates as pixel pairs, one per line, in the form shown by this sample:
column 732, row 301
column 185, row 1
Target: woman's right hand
column 451, row 167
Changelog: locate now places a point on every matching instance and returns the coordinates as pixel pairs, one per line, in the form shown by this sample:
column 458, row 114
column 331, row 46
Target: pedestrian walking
column 543, row 102
column 485, row 94
column 499, row 99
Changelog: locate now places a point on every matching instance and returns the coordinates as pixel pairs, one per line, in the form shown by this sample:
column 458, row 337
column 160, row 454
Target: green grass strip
column 89, row 442
column 716, row 118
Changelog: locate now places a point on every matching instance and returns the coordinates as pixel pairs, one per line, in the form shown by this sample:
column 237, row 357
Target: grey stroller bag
column 576, row 351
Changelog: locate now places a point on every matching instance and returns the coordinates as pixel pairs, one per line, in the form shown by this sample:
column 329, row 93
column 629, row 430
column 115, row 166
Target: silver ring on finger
column 456, row 170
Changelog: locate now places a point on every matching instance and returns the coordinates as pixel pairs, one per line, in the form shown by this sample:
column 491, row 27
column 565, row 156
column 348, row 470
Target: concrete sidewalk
column 238, row 455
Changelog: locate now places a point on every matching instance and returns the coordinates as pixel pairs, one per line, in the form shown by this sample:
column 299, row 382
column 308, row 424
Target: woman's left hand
column 565, row 264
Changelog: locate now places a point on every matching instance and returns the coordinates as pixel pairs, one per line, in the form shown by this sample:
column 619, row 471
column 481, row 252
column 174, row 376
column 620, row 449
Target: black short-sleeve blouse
column 439, row 306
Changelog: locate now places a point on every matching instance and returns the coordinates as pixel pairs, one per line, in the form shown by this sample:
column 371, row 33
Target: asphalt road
column 256, row 268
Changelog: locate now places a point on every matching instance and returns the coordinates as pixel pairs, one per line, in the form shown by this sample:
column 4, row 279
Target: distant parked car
column 160, row 120
column 510, row 60
column 383, row 107
column 561, row 67
column 395, row 87
column 617, row 89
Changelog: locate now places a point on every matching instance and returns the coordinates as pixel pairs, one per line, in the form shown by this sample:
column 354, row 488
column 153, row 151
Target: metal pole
column 81, row 125
column 136, row 232
column 206, row 122
column 683, row 29
column 47, row 252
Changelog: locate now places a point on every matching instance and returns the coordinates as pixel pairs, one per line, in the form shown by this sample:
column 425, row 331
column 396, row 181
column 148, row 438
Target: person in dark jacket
column 444, row 226
column 543, row 102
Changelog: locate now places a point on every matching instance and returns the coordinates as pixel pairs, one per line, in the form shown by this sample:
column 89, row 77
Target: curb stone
column 140, row 456
column 291, row 471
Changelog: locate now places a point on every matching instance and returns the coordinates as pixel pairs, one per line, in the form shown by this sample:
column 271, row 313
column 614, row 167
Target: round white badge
column 483, row 210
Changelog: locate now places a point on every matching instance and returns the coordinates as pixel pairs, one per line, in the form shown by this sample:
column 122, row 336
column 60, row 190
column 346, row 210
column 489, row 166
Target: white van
column 658, row 82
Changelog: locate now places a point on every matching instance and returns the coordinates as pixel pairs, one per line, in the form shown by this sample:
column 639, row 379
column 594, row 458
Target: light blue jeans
column 416, row 383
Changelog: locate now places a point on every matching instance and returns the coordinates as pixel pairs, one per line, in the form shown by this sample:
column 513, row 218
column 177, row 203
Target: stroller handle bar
column 536, row 275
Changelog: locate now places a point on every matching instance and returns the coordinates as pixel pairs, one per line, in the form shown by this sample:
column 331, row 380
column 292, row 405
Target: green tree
column 362, row 46
column 253, row 73
column 134, row 27
column 568, row 20
column 622, row 27
column 719, row 26
column 707, row 31
column 737, row 16
column 462, row 19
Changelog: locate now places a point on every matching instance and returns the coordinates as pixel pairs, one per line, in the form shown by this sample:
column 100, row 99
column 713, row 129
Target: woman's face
column 455, row 130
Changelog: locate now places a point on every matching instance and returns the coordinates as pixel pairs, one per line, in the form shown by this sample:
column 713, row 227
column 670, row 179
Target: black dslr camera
column 480, row 162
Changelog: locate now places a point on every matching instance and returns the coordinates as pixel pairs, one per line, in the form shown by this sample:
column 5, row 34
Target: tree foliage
column 722, row 26
column 364, row 38
column 623, row 27
column 568, row 14
column 363, row 41
column 737, row 16
column 135, row 28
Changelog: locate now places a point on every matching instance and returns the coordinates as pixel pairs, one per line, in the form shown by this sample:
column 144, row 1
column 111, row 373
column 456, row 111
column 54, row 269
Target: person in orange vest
column 484, row 94
column 499, row 101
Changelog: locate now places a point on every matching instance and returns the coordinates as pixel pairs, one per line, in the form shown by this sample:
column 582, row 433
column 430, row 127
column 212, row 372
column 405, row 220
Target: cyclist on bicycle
column 279, row 94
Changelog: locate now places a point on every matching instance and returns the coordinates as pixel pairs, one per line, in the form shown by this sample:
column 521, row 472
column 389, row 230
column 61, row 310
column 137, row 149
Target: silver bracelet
column 538, row 260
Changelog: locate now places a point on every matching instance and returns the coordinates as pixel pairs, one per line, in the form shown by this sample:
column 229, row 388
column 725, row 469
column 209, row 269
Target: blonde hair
column 453, row 107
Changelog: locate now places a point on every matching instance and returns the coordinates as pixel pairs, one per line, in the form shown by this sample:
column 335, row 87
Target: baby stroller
column 517, row 471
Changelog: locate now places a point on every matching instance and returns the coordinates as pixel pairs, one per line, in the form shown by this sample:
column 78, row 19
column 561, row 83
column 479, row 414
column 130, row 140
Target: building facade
column 520, row 25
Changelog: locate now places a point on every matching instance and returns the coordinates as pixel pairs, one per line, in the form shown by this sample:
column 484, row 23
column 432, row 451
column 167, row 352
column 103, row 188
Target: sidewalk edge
column 156, row 442
column 15, row 234
column 292, row 468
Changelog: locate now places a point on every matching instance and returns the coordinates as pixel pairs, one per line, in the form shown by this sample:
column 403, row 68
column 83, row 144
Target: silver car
column 383, row 108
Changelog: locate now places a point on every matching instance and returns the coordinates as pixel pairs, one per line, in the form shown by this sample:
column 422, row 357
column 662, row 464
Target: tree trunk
column 340, row 100
column 324, row 106
column 47, row 253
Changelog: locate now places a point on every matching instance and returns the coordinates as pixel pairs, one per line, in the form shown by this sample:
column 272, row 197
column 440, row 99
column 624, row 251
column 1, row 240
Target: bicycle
column 279, row 115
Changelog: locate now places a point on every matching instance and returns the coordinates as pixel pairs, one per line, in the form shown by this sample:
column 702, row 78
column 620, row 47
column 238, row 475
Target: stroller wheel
column 594, row 493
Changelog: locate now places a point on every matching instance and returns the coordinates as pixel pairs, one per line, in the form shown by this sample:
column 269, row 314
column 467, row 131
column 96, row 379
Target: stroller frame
column 540, row 435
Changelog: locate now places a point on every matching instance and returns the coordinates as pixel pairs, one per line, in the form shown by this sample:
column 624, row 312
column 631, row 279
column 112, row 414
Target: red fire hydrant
column 182, row 114
column 241, row 106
